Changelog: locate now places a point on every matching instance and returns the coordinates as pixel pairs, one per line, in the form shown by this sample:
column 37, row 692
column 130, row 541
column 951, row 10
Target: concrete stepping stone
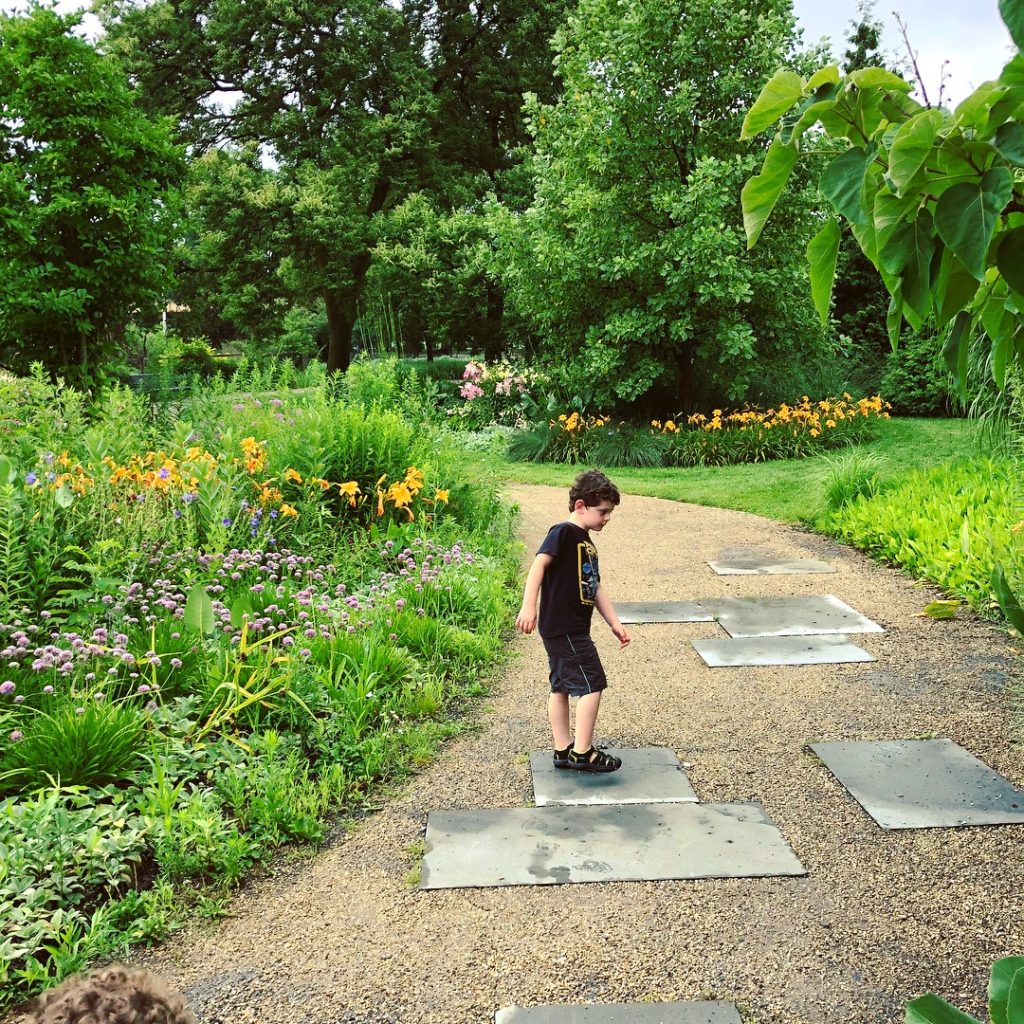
column 788, row 616
column 769, row 567
column 697, row 1012
column 662, row 611
column 618, row 843
column 649, row 775
column 922, row 784
column 730, row 652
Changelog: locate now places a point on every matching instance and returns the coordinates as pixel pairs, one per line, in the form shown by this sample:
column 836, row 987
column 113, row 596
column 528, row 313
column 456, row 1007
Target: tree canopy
column 87, row 201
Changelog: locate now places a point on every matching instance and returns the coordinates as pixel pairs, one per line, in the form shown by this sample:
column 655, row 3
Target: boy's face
column 594, row 517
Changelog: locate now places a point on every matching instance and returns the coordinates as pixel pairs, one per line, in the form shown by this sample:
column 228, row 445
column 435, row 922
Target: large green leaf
column 933, row 1009
column 8, row 471
column 879, row 78
column 198, row 614
column 1009, row 603
column 781, row 91
column 842, row 183
column 808, row 116
column 1009, row 141
column 908, row 255
column 894, row 318
column 1012, row 13
column 1010, row 258
column 828, row 75
column 1015, row 997
column 912, row 145
column 956, row 348
column 890, row 210
column 966, row 216
column 761, row 192
column 954, row 288
column 822, row 251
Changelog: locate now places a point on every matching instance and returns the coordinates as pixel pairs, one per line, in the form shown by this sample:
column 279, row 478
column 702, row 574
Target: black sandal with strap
column 593, row 760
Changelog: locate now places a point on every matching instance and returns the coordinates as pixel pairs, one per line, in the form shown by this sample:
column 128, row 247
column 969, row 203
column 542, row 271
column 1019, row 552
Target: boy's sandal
column 561, row 757
column 594, row 760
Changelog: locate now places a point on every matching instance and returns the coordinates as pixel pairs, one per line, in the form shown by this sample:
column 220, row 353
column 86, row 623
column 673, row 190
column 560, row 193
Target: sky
column 967, row 33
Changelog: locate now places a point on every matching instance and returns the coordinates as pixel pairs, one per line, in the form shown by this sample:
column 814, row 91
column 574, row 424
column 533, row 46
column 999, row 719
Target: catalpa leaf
column 1012, row 13
column 842, row 183
column 822, row 251
column 879, row 78
column 781, row 91
column 966, row 216
column 1010, row 258
column 933, row 1009
column 911, row 146
column 761, row 192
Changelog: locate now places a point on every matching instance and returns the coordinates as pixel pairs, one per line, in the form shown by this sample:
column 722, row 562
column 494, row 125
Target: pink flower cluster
column 472, row 371
column 469, row 391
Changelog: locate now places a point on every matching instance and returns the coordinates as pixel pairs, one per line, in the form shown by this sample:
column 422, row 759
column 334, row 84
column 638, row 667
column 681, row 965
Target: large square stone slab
column 662, row 611
column 769, row 566
column 703, row 1012
column 922, row 784
column 630, row 842
column 649, row 775
column 788, row 616
column 729, row 652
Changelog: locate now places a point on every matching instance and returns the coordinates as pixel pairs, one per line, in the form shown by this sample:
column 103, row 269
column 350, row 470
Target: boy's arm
column 607, row 610
column 526, row 620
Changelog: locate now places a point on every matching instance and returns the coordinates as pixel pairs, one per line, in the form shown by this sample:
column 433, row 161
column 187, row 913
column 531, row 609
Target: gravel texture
column 880, row 917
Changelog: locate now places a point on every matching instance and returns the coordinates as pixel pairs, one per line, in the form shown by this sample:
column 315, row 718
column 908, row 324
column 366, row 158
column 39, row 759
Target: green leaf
column 240, row 608
column 842, row 183
column 955, row 350
column 1015, row 997
column 1010, row 258
column 781, row 91
column 909, row 255
column 894, row 319
column 1010, row 606
column 8, row 472
column 912, row 146
column 827, row 74
column 889, row 211
column 1012, row 13
column 954, row 288
column 933, row 1009
column 941, row 609
column 879, row 78
column 198, row 610
column 822, row 251
column 64, row 496
column 808, row 116
column 1009, row 141
column 761, row 192
column 1009, row 968
column 966, row 216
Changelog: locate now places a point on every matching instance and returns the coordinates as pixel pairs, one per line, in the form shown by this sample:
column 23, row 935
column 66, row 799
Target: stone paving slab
column 922, row 784
column 649, row 775
column 788, row 616
column 731, row 652
column 698, row 1012
column 618, row 843
column 662, row 611
column 769, row 567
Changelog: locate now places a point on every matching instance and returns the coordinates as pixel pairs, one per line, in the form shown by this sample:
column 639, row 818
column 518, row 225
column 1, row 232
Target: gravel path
column 879, row 918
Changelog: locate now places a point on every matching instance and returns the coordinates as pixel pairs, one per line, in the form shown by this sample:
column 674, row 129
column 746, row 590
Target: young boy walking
column 565, row 575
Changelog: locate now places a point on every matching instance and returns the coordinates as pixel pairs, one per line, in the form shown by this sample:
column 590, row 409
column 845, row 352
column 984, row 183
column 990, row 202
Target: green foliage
column 932, row 198
column 630, row 260
column 850, row 476
column 86, row 184
column 916, row 380
column 951, row 524
column 1005, row 998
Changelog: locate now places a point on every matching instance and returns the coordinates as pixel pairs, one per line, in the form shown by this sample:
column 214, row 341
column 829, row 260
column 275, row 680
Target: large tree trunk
column 340, row 322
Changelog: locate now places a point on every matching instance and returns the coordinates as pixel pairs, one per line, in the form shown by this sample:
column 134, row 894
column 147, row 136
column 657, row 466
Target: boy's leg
column 558, row 715
column 586, row 719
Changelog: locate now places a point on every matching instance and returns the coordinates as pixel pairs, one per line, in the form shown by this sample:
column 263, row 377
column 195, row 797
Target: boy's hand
column 526, row 620
column 622, row 634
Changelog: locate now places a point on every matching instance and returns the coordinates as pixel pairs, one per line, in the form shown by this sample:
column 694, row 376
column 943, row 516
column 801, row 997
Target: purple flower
column 175, row 662
column 49, row 689
column 17, row 735
column 19, row 699
column 30, row 479
column 226, row 521
column 6, row 687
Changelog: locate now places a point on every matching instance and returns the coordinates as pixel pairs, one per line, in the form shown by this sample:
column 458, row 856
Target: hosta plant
column 1005, row 999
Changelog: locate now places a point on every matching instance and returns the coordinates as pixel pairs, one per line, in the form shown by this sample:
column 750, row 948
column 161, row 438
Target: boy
column 566, row 576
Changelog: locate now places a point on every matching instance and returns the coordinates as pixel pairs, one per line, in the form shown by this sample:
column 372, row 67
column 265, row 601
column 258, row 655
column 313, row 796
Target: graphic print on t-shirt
column 586, row 560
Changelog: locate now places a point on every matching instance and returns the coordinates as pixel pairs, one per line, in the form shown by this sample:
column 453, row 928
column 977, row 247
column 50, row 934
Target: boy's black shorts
column 576, row 668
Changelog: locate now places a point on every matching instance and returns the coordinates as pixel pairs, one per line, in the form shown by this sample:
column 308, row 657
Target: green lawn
column 788, row 490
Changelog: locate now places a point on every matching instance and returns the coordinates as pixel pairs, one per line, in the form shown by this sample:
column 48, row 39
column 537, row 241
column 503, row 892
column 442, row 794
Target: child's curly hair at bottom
column 111, row 995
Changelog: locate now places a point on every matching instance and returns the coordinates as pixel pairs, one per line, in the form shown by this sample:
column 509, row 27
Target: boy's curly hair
column 593, row 487
column 111, row 995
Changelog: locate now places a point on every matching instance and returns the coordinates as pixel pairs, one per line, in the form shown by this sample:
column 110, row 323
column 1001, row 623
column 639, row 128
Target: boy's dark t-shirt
column 569, row 587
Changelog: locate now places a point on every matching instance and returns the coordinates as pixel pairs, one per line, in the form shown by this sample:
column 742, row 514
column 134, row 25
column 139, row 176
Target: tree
column 934, row 199
column 630, row 259
column 87, row 202
column 360, row 104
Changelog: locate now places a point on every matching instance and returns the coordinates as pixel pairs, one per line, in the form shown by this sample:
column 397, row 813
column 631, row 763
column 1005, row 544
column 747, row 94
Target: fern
column 15, row 575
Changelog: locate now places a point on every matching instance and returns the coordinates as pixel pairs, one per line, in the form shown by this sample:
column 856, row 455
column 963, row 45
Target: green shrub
column 916, row 381
column 851, row 476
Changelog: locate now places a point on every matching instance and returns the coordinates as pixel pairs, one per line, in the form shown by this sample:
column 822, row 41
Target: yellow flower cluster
column 158, row 471
column 574, row 423
column 668, row 427
column 814, row 417
column 401, row 493
column 254, row 455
